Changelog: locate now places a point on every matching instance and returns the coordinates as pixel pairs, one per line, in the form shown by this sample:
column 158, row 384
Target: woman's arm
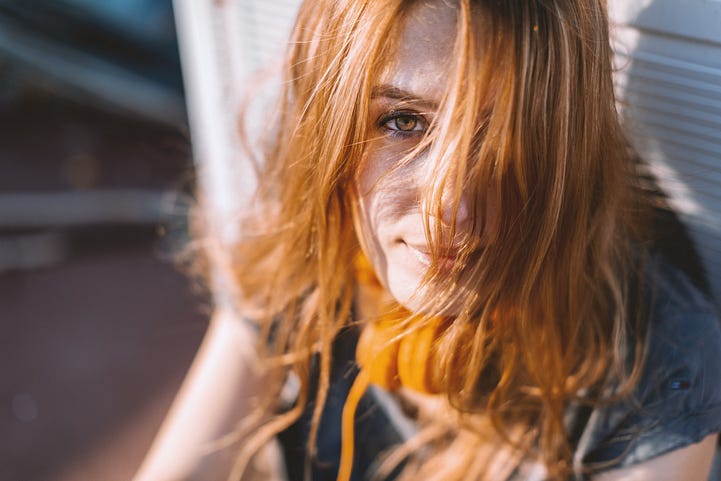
column 692, row 463
column 216, row 394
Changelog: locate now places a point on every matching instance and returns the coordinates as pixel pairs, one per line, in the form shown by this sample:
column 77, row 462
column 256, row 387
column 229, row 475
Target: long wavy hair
column 529, row 109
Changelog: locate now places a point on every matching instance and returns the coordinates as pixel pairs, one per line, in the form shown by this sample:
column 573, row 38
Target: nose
column 442, row 185
column 442, row 191
column 461, row 207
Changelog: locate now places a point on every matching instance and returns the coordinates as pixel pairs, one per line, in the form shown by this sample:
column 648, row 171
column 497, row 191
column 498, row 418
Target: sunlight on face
column 405, row 97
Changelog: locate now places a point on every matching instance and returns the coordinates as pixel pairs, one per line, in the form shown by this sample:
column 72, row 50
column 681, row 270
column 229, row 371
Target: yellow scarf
column 386, row 361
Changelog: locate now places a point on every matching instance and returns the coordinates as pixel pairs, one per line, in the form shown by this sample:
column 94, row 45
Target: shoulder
column 677, row 401
column 690, row 463
column 684, row 342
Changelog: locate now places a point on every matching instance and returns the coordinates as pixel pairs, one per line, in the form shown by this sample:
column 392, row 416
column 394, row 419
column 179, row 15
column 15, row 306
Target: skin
column 389, row 209
column 217, row 391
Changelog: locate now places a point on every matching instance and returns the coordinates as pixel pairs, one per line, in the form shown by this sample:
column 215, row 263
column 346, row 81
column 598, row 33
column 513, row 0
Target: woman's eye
column 404, row 123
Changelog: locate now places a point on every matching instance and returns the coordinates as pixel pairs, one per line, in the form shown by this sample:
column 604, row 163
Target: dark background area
column 98, row 323
column 94, row 342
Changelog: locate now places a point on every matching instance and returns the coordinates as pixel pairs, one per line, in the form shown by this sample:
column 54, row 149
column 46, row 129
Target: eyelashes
column 403, row 124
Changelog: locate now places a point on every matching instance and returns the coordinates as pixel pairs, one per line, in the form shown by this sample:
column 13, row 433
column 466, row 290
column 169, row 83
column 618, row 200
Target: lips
column 423, row 255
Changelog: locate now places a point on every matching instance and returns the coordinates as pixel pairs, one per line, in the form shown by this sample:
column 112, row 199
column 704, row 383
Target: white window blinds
column 669, row 86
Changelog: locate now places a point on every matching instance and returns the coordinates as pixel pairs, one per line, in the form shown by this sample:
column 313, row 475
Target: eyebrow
column 396, row 93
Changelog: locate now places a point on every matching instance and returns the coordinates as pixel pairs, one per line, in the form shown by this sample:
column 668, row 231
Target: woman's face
column 389, row 203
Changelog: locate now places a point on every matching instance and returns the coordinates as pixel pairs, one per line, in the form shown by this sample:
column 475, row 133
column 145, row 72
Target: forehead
column 420, row 56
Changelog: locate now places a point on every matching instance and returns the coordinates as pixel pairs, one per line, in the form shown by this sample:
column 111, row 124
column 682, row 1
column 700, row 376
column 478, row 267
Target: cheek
column 378, row 200
column 370, row 190
column 372, row 168
column 388, row 190
column 365, row 218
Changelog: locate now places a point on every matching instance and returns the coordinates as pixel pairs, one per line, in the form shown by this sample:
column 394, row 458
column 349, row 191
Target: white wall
column 222, row 44
column 669, row 86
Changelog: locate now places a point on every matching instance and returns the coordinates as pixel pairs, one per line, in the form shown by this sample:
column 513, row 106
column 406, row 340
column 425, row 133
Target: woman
column 447, row 258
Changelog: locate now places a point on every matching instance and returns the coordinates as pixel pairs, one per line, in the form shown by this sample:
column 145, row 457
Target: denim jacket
column 677, row 401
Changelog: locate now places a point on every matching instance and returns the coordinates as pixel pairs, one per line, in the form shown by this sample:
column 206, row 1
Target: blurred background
column 98, row 322
column 98, row 326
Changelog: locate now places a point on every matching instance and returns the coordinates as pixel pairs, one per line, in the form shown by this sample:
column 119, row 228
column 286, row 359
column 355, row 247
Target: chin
column 406, row 290
column 409, row 293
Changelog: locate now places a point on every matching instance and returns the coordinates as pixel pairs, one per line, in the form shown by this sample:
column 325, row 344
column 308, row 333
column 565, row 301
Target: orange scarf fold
column 387, row 361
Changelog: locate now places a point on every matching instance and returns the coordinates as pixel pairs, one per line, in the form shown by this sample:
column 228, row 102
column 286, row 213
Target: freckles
column 383, row 190
column 369, row 172
column 377, row 164
column 386, row 206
